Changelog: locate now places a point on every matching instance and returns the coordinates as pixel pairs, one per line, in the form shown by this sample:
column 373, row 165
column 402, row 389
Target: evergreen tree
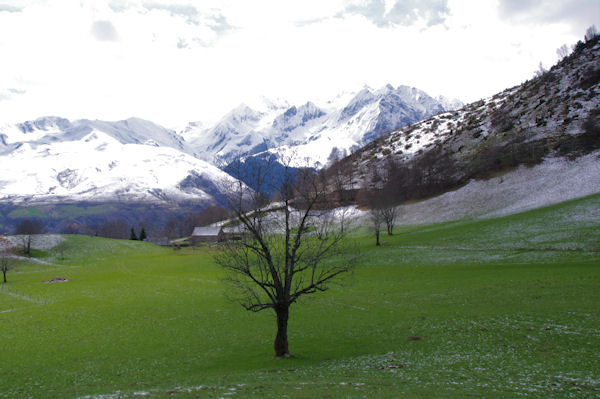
column 143, row 235
column 132, row 235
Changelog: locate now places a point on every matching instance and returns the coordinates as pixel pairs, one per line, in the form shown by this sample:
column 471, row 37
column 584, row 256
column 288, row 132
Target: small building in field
column 206, row 234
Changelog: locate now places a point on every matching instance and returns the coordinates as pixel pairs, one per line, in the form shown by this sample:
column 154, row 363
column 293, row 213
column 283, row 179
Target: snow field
column 555, row 180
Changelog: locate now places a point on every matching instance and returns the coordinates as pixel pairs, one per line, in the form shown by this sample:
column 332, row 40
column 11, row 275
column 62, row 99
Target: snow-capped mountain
column 310, row 130
column 238, row 132
column 450, row 104
column 48, row 130
column 294, row 118
column 54, row 159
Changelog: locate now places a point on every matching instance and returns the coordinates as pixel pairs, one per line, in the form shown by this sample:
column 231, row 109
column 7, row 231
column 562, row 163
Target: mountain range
column 56, row 160
column 397, row 142
column 52, row 159
column 311, row 131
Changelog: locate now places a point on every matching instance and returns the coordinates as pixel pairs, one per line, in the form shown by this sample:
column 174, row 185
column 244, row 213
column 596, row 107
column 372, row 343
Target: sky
column 173, row 62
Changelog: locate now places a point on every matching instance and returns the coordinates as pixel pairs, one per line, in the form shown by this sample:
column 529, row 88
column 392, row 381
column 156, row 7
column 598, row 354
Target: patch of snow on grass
column 38, row 241
column 553, row 181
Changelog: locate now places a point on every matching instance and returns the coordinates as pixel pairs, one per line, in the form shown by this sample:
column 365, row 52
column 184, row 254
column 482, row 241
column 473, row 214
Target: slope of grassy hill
column 499, row 307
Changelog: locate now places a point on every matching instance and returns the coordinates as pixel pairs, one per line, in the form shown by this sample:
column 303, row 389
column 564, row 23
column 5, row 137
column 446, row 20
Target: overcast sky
column 178, row 61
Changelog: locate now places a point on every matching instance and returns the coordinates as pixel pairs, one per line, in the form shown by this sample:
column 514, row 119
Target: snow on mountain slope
column 48, row 130
column 99, row 166
column 367, row 115
column 359, row 101
column 450, row 104
column 294, row 117
column 241, row 131
column 312, row 130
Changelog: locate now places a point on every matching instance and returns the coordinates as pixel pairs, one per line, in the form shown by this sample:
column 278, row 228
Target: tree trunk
column 377, row 237
column 4, row 273
column 281, row 341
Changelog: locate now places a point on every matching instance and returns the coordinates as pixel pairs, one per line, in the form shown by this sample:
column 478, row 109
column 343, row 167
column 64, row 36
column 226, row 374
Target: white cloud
column 399, row 12
column 9, row 8
column 104, row 31
column 16, row 91
column 579, row 14
column 173, row 62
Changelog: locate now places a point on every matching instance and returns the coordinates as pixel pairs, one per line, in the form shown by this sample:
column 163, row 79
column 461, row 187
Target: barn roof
column 206, row 231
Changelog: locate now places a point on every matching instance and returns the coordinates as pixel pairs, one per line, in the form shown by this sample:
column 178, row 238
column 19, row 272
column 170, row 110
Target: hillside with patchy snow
column 548, row 120
column 553, row 181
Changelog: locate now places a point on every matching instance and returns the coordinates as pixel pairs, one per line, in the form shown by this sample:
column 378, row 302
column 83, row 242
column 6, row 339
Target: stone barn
column 206, row 234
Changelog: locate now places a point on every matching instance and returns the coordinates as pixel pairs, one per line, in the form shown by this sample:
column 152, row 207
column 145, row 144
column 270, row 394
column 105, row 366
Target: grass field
column 494, row 308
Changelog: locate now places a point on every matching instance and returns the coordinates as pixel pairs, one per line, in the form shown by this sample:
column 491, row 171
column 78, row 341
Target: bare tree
column 5, row 257
column 71, row 227
column 62, row 247
column 205, row 217
column 171, row 228
column 562, row 52
column 591, row 33
column 343, row 214
column 340, row 180
column 289, row 249
column 380, row 195
column 28, row 229
column 389, row 214
column 540, row 71
column 115, row 228
column 334, row 156
column 376, row 217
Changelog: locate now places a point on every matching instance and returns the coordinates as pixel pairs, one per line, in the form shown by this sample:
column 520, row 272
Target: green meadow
column 492, row 308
